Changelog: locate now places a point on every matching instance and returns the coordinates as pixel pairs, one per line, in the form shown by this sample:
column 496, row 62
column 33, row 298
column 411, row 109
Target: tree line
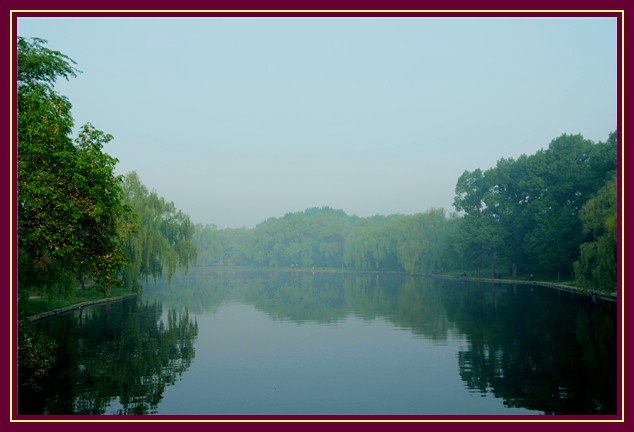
column 551, row 215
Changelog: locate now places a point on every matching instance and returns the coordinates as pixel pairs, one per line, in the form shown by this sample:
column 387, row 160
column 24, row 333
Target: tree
column 71, row 218
column 422, row 241
column 531, row 205
column 514, row 188
column 162, row 236
column 35, row 356
column 573, row 169
column 480, row 235
column 314, row 237
column 596, row 267
column 209, row 244
column 374, row 244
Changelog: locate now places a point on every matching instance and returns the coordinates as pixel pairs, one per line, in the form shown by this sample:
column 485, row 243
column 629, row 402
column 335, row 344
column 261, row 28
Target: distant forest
column 552, row 215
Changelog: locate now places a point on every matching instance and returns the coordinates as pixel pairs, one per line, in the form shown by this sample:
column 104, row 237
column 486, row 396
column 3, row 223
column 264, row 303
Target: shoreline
column 67, row 309
column 562, row 287
column 559, row 286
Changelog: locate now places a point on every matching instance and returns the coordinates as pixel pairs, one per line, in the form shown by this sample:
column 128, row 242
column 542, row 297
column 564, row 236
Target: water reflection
column 535, row 348
column 114, row 359
column 531, row 348
column 320, row 297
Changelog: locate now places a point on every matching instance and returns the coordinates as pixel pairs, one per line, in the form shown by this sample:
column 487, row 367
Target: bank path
column 66, row 309
column 563, row 287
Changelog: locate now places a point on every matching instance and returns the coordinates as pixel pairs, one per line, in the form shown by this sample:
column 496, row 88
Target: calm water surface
column 333, row 343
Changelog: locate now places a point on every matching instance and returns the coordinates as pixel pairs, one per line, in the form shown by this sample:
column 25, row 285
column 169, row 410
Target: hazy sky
column 236, row 120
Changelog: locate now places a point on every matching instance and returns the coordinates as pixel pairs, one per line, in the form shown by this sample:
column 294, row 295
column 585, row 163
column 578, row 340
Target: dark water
column 333, row 343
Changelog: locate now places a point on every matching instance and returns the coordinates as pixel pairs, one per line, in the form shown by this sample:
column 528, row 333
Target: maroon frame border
column 436, row 8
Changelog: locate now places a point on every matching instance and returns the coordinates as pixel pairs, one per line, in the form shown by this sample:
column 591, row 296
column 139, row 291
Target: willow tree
column 162, row 237
column 596, row 267
column 422, row 241
column 71, row 219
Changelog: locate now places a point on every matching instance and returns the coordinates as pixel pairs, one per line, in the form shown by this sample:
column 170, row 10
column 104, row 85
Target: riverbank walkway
column 563, row 287
column 66, row 309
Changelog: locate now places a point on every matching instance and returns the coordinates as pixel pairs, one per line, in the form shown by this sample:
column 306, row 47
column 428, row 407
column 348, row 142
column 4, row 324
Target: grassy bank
column 38, row 305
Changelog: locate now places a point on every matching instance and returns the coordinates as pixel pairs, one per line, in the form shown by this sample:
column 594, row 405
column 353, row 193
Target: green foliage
column 573, row 169
column 324, row 237
column 36, row 305
column 520, row 217
column 597, row 267
column 314, row 237
column 35, row 356
column 40, row 65
column 69, row 199
column 161, row 238
column 524, row 214
column 481, row 240
column 470, row 190
column 210, row 244
column 480, row 235
column 129, row 353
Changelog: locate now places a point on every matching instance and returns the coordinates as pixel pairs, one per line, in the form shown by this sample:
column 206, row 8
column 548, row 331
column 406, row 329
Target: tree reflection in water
column 533, row 347
column 114, row 359
column 550, row 351
column 540, row 349
column 536, row 348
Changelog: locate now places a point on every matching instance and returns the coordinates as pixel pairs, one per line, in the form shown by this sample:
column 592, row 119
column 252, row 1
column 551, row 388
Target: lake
column 234, row 342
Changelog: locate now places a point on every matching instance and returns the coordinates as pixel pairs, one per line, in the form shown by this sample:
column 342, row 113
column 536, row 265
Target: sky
column 236, row 120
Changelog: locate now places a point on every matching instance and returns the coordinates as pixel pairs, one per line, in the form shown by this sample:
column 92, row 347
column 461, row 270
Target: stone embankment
column 559, row 286
column 78, row 306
